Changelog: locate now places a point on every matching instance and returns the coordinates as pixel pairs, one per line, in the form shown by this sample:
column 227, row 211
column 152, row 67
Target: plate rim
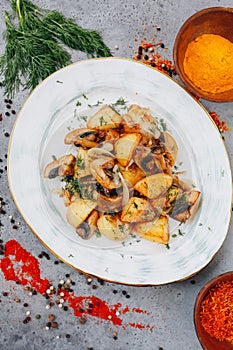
column 38, row 236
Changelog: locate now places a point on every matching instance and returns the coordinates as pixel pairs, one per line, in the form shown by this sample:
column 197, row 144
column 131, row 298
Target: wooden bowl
column 213, row 20
column 208, row 342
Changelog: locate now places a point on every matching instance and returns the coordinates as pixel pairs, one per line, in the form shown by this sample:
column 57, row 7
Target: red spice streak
column 100, row 308
column 19, row 265
column 140, row 326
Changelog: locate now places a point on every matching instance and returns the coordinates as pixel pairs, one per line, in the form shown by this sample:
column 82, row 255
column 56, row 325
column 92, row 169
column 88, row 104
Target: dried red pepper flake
column 222, row 125
column 216, row 311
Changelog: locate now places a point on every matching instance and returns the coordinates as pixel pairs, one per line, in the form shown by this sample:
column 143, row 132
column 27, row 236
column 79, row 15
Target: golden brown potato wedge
column 78, row 211
column 154, row 185
column 112, row 228
column 138, row 210
column 81, row 167
column 185, row 205
column 154, row 231
column 104, row 118
column 125, row 147
column 132, row 174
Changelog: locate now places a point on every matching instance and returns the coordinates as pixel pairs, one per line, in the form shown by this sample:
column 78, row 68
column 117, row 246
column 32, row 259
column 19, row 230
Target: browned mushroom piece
column 168, row 146
column 62, row 166
column 149, row 162
column 103, row 171
column 84, row 137
column 139, row 119
column 109, row 204
column 87, row 229
column 184, row 205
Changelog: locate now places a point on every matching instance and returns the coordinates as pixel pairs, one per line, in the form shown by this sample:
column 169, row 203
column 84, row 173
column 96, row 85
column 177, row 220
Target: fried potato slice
column 78, row 211
column 112, row 228
column 154, row 231
column 125, row 147
column 105, row 118
column 81, row 167
column 137, row 210
column 132, row 174
column 154, row 185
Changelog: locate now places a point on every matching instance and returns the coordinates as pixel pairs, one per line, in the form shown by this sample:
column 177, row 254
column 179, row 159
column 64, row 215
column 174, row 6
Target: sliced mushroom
column 171, row 148
column 62, row 166
column 83, row 137
column 113, row 200
column 184, row 205
column 87, row 229
column 96, row 152
column 102, row 170
column 109, row 204
column 148, row 162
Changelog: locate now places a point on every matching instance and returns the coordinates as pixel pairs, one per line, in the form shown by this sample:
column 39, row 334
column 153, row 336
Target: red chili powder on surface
column 20, row 266
column 217, row 312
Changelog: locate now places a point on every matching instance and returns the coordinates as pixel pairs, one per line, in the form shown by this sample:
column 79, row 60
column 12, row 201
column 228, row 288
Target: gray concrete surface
column 171, row 306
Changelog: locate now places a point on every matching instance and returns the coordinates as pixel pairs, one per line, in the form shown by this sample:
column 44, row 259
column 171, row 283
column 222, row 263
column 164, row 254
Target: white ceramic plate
column 48, row 114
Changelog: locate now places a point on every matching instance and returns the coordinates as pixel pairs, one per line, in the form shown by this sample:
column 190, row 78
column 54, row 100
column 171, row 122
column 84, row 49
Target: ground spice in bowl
column 216, row 311
column 213, row 313
column 208, row 63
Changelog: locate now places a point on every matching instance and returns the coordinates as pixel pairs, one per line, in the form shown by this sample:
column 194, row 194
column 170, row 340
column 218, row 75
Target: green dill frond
column 75, row 37
column 35, row 45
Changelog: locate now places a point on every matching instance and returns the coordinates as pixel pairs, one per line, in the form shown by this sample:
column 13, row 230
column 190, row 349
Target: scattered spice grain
column 54, row 324
column 27, row 319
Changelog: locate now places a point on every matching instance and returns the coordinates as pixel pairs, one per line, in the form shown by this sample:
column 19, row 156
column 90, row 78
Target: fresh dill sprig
column 75, row 37
column 35, row 46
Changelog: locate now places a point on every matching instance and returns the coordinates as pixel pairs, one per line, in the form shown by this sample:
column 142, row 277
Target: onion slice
column 96, row 152
column 125, row 197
